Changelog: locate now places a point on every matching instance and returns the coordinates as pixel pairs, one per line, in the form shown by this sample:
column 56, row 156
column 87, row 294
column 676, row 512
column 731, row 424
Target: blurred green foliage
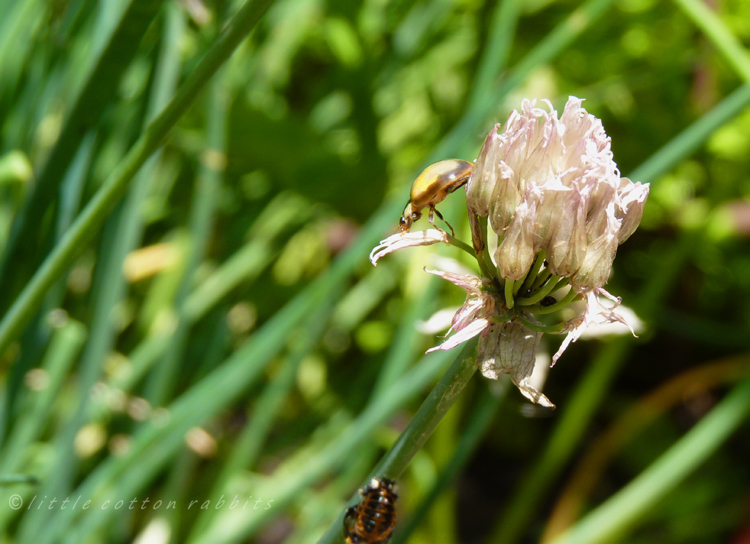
column 218, row 332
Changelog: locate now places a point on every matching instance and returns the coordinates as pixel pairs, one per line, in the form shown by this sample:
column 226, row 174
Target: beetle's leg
column 440, row 215
column 431, row 218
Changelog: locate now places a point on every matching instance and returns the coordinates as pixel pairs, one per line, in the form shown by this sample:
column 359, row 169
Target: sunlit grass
column 188, row 195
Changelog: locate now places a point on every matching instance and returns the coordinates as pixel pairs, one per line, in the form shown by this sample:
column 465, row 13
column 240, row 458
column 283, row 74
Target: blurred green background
column 193, row 319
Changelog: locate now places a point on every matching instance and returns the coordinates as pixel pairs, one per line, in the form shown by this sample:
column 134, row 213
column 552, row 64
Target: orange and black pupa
column 373, row 519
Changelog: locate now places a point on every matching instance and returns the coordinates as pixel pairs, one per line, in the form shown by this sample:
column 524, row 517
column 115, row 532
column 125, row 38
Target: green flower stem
column 471, row 433
column 535, row 269
column 541, row 278
column 100, row 206
column 560, row 284
column 550, row 286
column 503, row 318
column 433, row 409
column 621, row 511
column 551, row 329
column 559, row 305
column 452, row 240
column 517, row 285
column 509, row 293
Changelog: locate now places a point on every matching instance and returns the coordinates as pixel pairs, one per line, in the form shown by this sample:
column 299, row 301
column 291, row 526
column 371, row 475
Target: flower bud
column 594, row 272
column 567, row 245
column 516, row 254
column 631, row 200
column 484, row 176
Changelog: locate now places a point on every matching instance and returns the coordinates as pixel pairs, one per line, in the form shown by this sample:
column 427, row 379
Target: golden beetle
column 431, row 187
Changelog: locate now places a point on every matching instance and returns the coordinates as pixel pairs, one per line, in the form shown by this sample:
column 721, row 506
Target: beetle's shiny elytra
column 373, row 519
column 431, row 187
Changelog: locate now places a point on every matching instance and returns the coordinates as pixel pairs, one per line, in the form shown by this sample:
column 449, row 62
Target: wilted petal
column 510, row 348
column 404, row 240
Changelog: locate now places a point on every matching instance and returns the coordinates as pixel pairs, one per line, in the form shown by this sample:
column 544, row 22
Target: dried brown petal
column 510, row 348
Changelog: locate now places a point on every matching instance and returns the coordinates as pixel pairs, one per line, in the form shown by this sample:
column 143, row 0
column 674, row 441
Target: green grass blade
column 62, row 352
column 207, row 185
column 622, row 511
column 105, row 199
column 249, row 444
column 719, row 34
column 689, row 140
column 97, row 92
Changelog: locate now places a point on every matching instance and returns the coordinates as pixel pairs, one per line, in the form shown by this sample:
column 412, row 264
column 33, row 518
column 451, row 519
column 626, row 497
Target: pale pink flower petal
column 403, row 240
column 467, row 333
column 596, row 313
column 471, row 284
column 478, row 307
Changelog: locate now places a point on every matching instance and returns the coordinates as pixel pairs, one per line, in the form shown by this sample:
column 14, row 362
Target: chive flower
column 547, row 209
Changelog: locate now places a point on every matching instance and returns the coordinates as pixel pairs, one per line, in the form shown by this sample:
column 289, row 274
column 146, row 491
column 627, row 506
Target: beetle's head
column 409, row 217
